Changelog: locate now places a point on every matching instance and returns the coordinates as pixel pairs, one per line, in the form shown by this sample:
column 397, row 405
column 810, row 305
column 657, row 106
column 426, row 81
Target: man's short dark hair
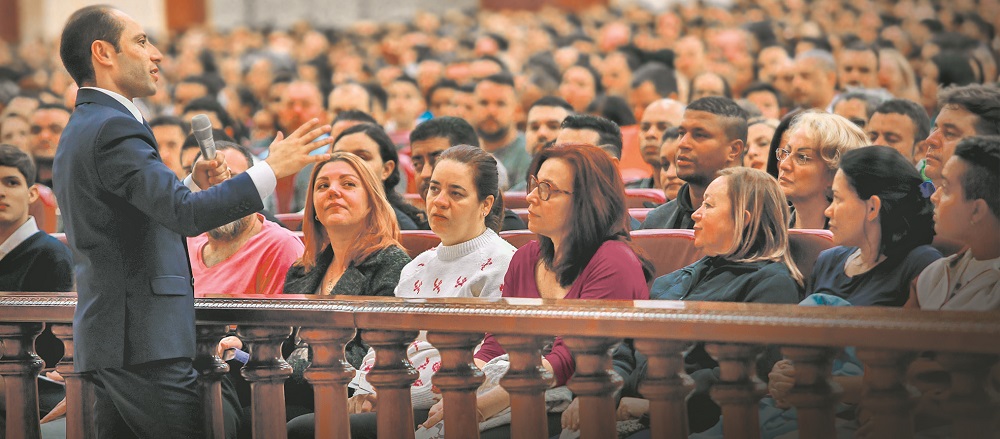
column 978, row 99
column 444, row 84
column 199, row 80
column 353, row 116
column 223, row 145
column 758, row 87
column 376, row 95
column 210, row 104
column 495, row 60
column 552, row 101
column 171, row 121
column 861, row 46
column 663, row 78
column 12, row 156
column 456, row 130
column 609, row 135
column 217, row 136
column 914, row 111
column 734, row 118
column 85, row 26
column 981, row 155
column 670, row 134
column 501, row 78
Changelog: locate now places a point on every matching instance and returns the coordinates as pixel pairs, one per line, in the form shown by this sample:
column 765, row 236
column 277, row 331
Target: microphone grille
column 201, row 122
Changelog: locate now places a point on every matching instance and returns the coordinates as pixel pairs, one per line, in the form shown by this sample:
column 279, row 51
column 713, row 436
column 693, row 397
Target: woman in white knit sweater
column 465, row 209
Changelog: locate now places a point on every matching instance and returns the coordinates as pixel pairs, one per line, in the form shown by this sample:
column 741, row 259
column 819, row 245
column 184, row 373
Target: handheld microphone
column 202, row 128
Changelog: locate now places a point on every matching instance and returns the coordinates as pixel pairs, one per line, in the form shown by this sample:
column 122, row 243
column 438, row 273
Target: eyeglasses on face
column 800, row 159
column 545, row 189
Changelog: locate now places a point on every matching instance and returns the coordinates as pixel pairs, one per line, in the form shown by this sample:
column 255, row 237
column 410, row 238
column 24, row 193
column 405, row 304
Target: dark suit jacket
column 125, row 213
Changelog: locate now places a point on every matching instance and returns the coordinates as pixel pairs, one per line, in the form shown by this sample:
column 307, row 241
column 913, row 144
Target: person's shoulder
column 391, row 255
column 657, row 218
column 833, row 255
column 615, row 249
column 922, row 255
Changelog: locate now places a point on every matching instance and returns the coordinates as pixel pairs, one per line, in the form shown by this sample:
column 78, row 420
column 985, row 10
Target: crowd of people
column 878, row 121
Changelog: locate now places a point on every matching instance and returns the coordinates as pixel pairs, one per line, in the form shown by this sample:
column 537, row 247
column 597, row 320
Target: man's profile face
column 46, row 128
column 542, row 126
column 423, row 154
column 15, row 196
column 703, row 149
column 894, row 130
column 952, row 124
column 136, row 70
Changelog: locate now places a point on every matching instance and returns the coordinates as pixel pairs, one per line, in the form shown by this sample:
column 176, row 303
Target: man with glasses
column 47, row 124
column 431, row 138
column 713, row 134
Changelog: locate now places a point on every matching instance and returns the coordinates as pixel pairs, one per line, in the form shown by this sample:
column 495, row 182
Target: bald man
column 658, row 117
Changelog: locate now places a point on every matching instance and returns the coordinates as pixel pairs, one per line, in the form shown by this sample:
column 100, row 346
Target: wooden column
column 594, row 383
column 392, row 375
column 19, row 368
column 266, row 371
column 526, row 381
column 814, row 394
column 458, row 378
column 885, row 397
column 970, row 406
column 738, row 390
column 329, row 373
column 211, row 369
column 79, row 390
column 666, row 386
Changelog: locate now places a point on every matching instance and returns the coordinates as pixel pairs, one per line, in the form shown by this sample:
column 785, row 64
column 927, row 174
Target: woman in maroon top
column 576, row 205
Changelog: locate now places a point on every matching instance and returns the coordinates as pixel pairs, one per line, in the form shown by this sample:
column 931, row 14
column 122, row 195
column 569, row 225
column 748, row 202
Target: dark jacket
column 674, row 214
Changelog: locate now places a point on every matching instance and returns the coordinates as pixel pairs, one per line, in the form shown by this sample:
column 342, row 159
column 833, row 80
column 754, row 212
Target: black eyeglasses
column 545, row 189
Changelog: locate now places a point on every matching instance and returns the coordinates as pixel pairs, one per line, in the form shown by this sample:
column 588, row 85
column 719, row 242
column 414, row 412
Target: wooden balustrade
column 964, row 343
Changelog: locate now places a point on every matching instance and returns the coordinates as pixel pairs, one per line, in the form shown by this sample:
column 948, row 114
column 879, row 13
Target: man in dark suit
column 125, row 213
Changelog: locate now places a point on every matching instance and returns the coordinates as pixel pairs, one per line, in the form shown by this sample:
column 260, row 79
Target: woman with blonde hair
column 742, row 229
column 808, row 162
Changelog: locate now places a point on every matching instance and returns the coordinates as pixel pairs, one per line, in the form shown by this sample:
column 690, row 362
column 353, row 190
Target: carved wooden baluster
column 329, row 374
column 526, row 382
column 886, row 399
column 266, row 371
column 79, row 391
column 594, row 383
column 814, row 394
column 738, row 390
column 392, row 375
column 211, row 369
column 458, row 378
column 970, row 406
column 19, row 368
column 666, row 386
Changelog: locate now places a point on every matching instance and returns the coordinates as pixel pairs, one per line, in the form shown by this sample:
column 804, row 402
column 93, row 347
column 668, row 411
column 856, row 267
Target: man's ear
column 980, row 211
column 387, row 169
column 103, row 53
column 33, row 193
column 735, row 153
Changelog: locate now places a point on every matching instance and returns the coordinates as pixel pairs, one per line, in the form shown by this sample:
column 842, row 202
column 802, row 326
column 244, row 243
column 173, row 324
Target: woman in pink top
column 576, row 205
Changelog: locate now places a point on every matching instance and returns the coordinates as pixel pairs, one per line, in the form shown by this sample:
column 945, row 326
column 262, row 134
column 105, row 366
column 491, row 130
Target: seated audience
column 807, row 164
column 742, row 229
column 376, row 149
column 248, row 256
column 713, row 135
column 902, row 125
column 967, row 210
column 883, row 228
column 577, row 207
column 760, row 131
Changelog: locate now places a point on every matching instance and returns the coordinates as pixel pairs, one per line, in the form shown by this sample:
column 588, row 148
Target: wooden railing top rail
column 884, row 328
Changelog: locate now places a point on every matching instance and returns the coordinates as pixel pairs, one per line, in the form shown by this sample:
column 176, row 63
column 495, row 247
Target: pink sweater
column 613, row 273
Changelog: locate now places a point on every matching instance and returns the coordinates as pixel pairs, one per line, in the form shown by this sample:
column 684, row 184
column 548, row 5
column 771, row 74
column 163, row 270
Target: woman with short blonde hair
column 807, row 164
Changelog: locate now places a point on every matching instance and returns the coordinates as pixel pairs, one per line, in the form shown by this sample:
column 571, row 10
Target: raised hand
column 288, row 155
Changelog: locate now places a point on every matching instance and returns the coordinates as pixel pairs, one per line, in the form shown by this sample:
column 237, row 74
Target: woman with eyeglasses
column 807, row 164
column 576, row 205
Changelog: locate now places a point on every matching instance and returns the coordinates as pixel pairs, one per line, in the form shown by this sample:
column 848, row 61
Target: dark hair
column 978, row 99
column 12, row 156
column 758, row 87
column 495, row 60
column 734, row 118
column 484, row 176
column 981, row 155
column 914, row 111
column 86, row 25
column 670, row 134
column 552, row 101
column 376, row 95
column 607, row 132
column 613, row 108
column 47, row 106
column 210, row 104
column 598, row 211
column 779, row 132
column 905, row 216
column 353, row 116
column 221, row 145
column 870, row 97
column 726, row 91
column 387, row 152
column 598, row 87
column 407, row 79
column 200, row 80
column 501, row 78
column 663, row 78
column 457, row 130
column 861, row 46
column 444, row 84
column 953, row 69
column 171, row 121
